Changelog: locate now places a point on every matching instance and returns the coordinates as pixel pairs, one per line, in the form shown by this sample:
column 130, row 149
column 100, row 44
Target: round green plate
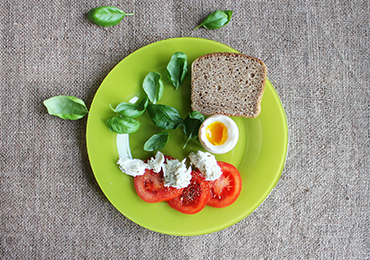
column 259, row 155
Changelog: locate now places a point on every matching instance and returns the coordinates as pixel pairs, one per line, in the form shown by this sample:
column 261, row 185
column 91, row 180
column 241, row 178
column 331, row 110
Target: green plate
column 259, row 155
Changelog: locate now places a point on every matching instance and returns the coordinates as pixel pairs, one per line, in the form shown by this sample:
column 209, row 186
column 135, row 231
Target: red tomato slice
column 226, row 189
column 150, row 186
column 194, row 197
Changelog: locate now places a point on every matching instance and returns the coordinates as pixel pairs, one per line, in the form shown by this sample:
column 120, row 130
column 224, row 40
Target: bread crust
column 230, row 84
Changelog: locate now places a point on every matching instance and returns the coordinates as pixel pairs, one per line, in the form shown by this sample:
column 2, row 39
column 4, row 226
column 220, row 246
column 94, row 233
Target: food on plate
column 131, row 110
column 122, row 125
column 193, row 198
column 175, row 174
column 136, row 167
column 153, row 86
column 206, row 163
column 191, row 125
column 188, row 190
column 218, row 134
column 156, row 142
column 230, row 84
column 151, row 188
column 177, row 68
column 132, row 167
column 226, row 189
column 156, row 162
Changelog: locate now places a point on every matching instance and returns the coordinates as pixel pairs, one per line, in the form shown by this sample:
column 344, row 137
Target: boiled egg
column 218, row 134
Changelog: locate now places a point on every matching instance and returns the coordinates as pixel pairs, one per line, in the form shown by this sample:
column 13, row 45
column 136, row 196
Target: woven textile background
column 318, row 59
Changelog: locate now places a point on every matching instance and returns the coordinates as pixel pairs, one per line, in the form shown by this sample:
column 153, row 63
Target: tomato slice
column 226, row 189
column 150, row 186
column 194, row 197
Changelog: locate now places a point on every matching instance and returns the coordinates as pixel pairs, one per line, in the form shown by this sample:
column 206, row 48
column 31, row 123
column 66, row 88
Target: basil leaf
column 177, row 68
column 153, row 86
column 164, row 117
column 191, row 125
column 106, row 15
column 131, row 110
column 156, row 142
column 123, row 125
column 196, row 115
column 216, row 20
column 66, row 107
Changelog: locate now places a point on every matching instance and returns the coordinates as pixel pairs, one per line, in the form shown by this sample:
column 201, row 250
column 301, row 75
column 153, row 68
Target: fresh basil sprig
column 123, row 125
column 216, row 20
column 177, row 68
column 153, row 86
column 156, row 142
column 164, row 117
column 191, row 125
column 131, row 110
column 66, row 107
column 106, row 15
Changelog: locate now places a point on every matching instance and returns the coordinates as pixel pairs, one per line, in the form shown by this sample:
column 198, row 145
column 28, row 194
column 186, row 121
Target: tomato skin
column 225, row 190
column 194, row 197
column 150, row 186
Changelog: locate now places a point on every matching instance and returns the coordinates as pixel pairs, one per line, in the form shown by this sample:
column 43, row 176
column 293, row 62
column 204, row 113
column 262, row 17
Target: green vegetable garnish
column 177, row 68
column 131, row 110
column 106, row 15
column 153, row 86
column 123, row 125
column 164, row 117
column 156, row 142
column 66, row 107
column 216, row 20
column 191, row 125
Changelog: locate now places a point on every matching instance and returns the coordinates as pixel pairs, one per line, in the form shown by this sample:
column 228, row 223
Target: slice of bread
column 230, row 84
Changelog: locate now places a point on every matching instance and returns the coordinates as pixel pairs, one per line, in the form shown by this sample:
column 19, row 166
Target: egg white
column 232, row 134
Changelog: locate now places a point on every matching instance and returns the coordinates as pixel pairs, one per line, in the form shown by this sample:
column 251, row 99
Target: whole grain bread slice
column 230, row 84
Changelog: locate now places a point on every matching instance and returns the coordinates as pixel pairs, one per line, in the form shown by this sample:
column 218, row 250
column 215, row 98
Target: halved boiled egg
column 218, row 134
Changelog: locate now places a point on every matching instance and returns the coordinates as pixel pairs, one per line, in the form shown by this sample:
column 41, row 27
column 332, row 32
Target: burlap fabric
column 318, row 57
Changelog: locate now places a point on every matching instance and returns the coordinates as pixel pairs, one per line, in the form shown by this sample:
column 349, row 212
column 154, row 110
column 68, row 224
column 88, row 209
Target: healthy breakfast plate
column 259, row 154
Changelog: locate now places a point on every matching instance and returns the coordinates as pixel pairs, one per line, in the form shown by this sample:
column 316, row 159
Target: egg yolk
column 216, row 133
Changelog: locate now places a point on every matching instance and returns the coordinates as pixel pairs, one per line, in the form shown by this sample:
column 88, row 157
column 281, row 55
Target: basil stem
column 191, row 125
column 131, row 110
column 177, row 68
column 164, row 117
column 156, row 142
column 66, row 107
column 123, row 125
column 216, row 20
column 153, row 86
column 106, row 15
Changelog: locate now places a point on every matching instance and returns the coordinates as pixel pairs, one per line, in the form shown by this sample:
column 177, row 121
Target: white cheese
column 156, row 162
column 175, row 174
column 132, row 167
column 207, row 164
